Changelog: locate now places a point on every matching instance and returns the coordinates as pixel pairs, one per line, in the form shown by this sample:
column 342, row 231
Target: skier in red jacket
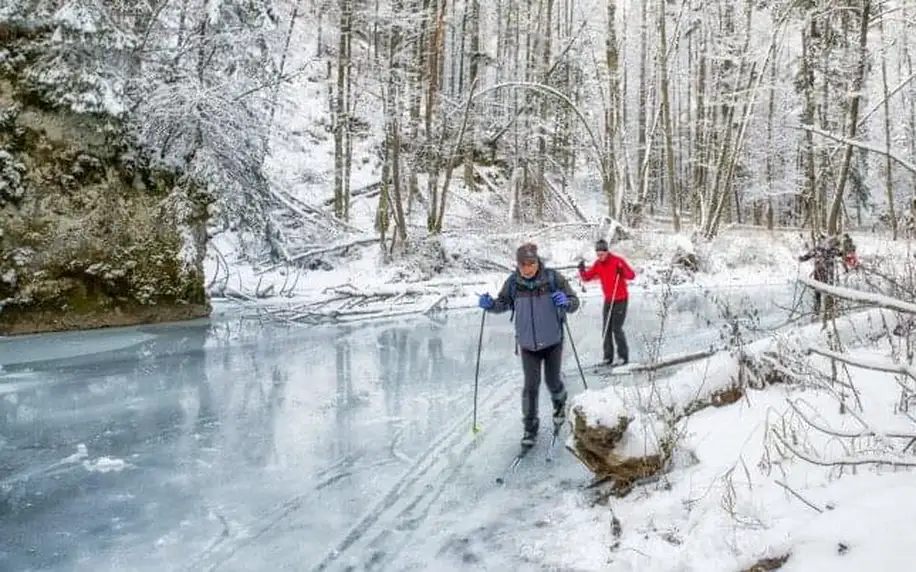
column 613, row 272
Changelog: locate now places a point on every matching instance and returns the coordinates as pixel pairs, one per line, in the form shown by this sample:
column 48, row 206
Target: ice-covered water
column 241, row 444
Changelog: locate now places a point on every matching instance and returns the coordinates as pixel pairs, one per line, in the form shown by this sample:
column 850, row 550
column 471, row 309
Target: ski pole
column 483, row 317
column 572, row 344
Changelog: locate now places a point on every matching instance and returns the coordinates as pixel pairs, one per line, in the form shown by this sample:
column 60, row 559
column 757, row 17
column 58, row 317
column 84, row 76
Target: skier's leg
column 553, row 363
column 618, row 317
column 607, row 338
column 531, row 367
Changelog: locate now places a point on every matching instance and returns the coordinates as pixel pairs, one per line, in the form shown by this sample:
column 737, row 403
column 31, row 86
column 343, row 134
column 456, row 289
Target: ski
column 516, row 461
column 608, row 369
column 658, row 363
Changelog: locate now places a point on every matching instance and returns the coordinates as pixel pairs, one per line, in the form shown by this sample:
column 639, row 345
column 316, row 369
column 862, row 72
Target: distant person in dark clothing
column 826, row 252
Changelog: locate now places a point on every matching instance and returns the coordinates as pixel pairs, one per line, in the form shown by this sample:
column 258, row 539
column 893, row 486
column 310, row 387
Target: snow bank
column 744, row 497
column 701, row 381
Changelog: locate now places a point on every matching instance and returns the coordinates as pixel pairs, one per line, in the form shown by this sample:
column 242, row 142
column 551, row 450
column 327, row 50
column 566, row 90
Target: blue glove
column 485, row 301
column 560, row 300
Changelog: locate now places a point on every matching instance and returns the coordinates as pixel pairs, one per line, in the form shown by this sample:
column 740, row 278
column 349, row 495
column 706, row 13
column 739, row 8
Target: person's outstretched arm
column 587, row 274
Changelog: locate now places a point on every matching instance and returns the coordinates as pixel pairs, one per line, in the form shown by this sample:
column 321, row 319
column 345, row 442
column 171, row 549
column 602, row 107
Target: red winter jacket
column 612, row 271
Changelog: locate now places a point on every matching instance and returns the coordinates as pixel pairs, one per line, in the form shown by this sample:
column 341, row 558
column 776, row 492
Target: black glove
column 581, row 266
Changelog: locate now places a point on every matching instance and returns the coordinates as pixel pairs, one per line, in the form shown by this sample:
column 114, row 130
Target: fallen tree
column 627, row 434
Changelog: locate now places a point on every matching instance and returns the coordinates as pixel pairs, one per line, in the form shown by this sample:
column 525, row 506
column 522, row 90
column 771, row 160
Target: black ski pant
column 823, row 272
column 552, row 360
column 613, row 315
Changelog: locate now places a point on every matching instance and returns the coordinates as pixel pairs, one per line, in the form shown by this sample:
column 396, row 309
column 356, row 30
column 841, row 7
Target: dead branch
column 673, row 360
column 874, row 365
column 369, row 191
column 846, row 434
column 861, row 145
column 437, row 304
column 319, row 251
column 853, row 295
column 567, row 199
column 309, row 212
column 392, row 291
column 845, row 461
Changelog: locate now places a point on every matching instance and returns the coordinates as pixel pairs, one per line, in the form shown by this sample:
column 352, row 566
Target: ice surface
column 35, row 348
column 248, row 445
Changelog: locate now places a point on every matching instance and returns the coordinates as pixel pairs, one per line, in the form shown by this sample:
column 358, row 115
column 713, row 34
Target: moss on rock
column 90, row 234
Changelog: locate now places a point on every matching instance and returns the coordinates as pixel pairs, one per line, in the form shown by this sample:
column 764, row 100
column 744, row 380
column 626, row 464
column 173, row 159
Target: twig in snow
column 798, row 496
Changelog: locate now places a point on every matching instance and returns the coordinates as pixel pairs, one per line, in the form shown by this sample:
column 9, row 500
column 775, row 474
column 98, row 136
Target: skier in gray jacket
column 539, row 299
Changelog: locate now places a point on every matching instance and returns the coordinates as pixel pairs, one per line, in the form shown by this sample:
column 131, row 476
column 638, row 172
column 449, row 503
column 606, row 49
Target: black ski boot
column 530, row 438
column 559, row 412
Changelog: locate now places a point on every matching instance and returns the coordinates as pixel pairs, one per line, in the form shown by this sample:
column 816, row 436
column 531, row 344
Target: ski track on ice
column 403, row 508
column 227, row 544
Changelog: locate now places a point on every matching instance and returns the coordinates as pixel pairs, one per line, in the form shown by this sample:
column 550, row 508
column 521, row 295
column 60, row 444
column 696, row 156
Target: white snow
column 734, row 506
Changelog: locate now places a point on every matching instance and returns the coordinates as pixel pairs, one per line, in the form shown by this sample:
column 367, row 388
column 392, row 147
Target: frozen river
column 238, row 444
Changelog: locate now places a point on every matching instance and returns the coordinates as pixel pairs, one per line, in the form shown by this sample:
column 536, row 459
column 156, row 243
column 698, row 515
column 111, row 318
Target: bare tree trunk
column 642, row 107
column 341, row 115
column 612, row 113
column 667, row 124
column 888, row 168
column 770, row 167
column 833, row 222
column 545, row 22
column 393, row 95
column 432, row 95
column 811, row 193
column 473, row 70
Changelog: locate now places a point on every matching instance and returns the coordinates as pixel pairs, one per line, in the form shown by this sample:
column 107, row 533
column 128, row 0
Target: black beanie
column 527, row 251
column 601, row 245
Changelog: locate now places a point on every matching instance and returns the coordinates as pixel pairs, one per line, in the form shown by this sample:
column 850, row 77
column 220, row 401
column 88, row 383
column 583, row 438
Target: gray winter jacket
column 538, row 322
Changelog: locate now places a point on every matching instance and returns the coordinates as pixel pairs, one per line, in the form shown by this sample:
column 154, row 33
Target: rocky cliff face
column 91, row 235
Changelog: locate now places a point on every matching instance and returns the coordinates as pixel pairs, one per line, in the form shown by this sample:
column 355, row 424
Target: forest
column 771, row 113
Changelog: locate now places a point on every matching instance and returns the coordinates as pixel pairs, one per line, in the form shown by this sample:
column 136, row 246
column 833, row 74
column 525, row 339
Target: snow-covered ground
column 782, row 472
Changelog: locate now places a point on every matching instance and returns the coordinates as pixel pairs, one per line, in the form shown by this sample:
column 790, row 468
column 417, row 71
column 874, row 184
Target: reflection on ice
column 239, row 444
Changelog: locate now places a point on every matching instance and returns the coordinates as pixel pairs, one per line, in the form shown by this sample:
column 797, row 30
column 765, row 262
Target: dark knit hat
column 601, row 245
column 527, row 251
